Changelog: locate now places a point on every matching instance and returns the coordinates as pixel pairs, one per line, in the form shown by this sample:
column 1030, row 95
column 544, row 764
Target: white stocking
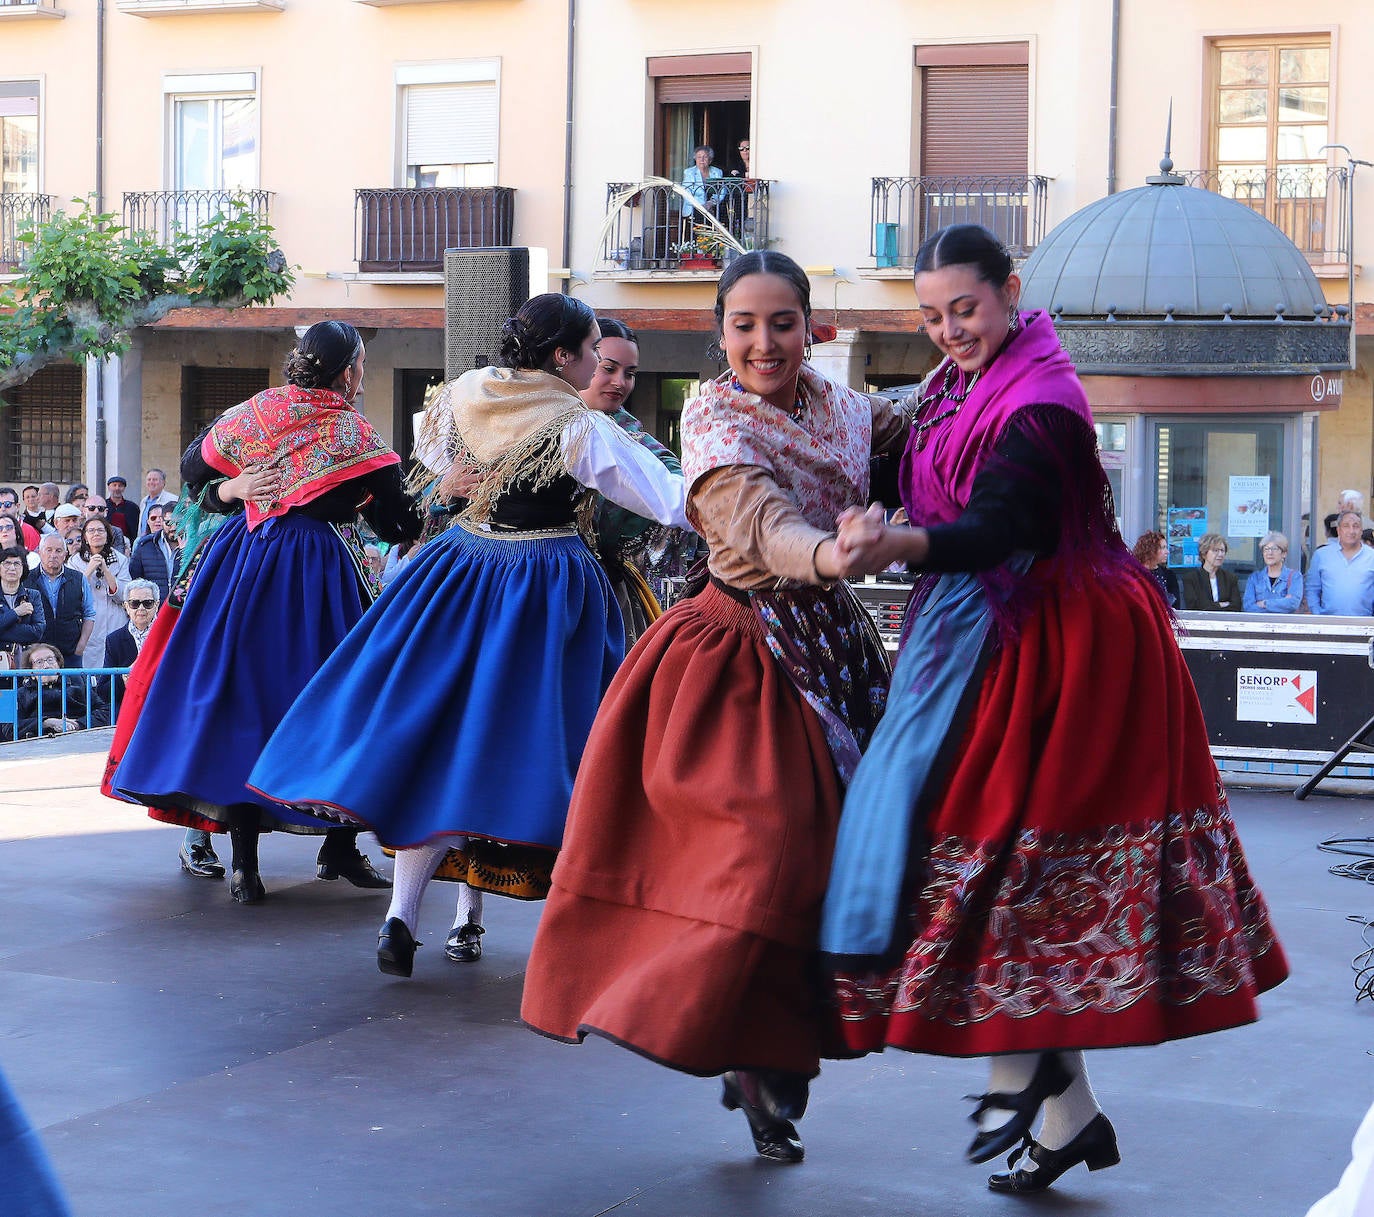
column 412, row 872
column 1069, row 1114
column 469, row 907
column 1011, row 1073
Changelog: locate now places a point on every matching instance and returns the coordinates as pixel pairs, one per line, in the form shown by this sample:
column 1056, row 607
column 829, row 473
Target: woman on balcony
column 685, row 905
column 478, row 673
column 629, row 544
column 275, row 589
column 1036, row 855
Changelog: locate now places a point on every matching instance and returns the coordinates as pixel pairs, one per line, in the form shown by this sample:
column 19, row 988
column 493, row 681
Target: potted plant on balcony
column 703, row 252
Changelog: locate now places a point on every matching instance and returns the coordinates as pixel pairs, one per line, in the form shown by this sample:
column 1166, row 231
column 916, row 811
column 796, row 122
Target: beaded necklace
column 944, row 392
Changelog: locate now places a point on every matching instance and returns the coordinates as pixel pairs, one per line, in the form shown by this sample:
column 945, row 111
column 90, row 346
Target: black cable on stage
column 1363, row 963
column 1362, row 850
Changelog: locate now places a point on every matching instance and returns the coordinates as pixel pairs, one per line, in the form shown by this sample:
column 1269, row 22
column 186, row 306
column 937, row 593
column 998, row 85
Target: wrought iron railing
column 165, row 213
column 46, row 6
column 16, row 211
column 652, row 228
column 906, row 210
column 408, row 229
column 1309, row 204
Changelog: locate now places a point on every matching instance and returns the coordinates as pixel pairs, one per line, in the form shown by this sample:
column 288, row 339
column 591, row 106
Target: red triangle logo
column 1308, row 701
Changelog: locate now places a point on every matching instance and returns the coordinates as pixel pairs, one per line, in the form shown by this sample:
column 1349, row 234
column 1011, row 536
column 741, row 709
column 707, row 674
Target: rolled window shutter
column 451, row 124
column 974, row 120
column 723, row 87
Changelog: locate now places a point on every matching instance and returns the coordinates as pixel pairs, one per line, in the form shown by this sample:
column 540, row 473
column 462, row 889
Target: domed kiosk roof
column 1170, row 279
column 1170, row 248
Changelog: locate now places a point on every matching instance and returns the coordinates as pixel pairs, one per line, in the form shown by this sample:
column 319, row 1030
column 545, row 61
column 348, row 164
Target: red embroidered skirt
column 131, row 706
column 1084, row 886
column 686, row 898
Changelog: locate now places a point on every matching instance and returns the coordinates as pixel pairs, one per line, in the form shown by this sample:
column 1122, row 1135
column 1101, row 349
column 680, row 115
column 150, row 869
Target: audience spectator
column 1340, row 577
column 107, row 571
column 122, row 513
column 157, row 554
column 397, row 557
column 1350, row 500
column 1152, row 552
column 1210, row 588
column 13, row 532
column 66, row 522
column 122, row 646
column 97, row 508
column 68, row 602
column 9, row 498
column 155, row 483
column 49, row 500
column 52, row 704
column 21, row 610
column 1276, row 588
column 77, row 494
column 32, row 513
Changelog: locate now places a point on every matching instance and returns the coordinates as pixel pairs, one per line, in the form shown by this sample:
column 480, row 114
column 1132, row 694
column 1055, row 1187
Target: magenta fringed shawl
column 1031, row 369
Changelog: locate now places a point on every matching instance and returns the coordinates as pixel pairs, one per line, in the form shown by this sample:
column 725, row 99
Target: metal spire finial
column 1166, row 175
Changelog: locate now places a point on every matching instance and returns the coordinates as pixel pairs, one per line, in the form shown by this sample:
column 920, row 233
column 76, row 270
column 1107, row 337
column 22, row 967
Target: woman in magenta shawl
column 1036, row 855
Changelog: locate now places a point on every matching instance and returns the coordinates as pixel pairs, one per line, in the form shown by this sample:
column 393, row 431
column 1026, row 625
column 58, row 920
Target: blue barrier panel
column 80, row 699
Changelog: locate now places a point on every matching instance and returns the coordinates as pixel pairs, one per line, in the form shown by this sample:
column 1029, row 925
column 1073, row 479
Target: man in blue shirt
column 1340, row 577
column 68, row 603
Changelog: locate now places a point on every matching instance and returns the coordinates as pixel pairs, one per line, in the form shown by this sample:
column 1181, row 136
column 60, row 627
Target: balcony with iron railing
column 1309, row 204
column 29, row 8
column 906, row 210
column 166, row 213
column 406, row 229
column 658, row 229
column 17, row 211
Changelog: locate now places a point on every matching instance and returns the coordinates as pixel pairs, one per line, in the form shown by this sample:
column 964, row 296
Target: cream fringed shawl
column 503, row 424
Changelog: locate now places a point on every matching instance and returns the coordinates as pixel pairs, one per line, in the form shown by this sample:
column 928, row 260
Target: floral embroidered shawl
column 313, row 436
column 819, row 458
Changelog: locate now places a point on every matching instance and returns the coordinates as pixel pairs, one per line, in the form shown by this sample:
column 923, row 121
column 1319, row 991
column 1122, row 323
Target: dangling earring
column 1013, row 318
column 806, row 351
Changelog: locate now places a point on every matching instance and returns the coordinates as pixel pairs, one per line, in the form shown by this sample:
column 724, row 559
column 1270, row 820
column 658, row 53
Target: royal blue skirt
column 463, row 700
column 264, row 611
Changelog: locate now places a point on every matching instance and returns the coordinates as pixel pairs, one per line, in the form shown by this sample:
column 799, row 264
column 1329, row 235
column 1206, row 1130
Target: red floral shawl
column 313, row 436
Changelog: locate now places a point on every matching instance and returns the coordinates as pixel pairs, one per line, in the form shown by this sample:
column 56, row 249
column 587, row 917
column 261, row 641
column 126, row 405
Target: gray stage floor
column 186, row 1057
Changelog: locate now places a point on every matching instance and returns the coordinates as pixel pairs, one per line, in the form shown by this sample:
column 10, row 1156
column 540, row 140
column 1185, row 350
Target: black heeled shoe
column 357, row 869
column 396, row 948
column 1050, row 1080
column 1095, row 1147
column 464, row 945
column 245, row 886
column 774, row 1137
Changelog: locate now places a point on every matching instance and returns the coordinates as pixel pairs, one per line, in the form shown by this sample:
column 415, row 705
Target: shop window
column 1270, row 122
column 448, row 117
column 1111, row 450
column 207, row 392
column 19, row 137
column 701, row 99
column 674, row 392
column 1222, row 477
column 408, row 402
column 43, row 424
column 213, row 131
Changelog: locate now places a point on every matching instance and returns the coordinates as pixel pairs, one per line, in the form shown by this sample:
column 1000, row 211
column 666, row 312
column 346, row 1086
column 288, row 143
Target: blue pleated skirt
column 264, row 611
column 462, row 701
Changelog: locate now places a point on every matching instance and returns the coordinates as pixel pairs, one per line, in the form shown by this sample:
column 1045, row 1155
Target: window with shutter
column 974, row 120
column 43, row 426
column 700, row 99
column 450, row 133
column 18, row 137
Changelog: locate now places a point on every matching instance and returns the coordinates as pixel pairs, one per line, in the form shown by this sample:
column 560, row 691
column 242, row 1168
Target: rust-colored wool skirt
column 1085, row 886
column 686, row 899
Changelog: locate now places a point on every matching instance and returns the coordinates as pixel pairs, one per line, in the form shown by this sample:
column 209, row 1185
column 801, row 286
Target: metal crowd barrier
column 105, row 689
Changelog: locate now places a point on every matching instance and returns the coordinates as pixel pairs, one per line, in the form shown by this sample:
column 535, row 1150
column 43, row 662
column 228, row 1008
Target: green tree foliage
column 86, row 283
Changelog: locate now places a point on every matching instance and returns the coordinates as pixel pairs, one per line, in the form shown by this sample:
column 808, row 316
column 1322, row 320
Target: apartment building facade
column 376, row 132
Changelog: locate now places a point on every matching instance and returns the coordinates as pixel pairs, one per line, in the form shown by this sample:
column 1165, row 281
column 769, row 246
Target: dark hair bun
column 322, row 354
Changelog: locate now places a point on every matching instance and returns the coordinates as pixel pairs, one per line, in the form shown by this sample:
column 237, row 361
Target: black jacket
column 22, row 631
column 147, row 562
column 84, row 705
column 63, row 621
column 1197, row 592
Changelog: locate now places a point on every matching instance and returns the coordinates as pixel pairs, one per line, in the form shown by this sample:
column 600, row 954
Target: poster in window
column 1186, row 526
column 1247, row 512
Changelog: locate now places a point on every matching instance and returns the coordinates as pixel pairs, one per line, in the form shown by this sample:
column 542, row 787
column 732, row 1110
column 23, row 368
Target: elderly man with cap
column 122, row 512
column 66, row 521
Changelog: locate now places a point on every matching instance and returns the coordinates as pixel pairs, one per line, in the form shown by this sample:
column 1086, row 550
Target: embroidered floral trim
column 1098, row 922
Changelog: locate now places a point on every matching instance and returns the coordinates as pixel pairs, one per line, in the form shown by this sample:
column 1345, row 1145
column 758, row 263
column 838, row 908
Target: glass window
column 450, row 134
column 19, row 137
column 1111, row 450
column 1222, row 477
column 674, row 392
column 214, row 143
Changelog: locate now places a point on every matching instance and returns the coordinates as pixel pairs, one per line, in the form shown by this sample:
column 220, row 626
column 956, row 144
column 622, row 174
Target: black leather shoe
column 396, row 948
column 1050, row 1080
column 774, row 1138
column 246, row 887
column 1095, row 1147
column 464, row 944
column 200, row 862
column 358, row 870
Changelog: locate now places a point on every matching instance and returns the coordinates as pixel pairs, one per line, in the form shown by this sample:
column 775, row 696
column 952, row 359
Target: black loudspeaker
column 482, row 288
